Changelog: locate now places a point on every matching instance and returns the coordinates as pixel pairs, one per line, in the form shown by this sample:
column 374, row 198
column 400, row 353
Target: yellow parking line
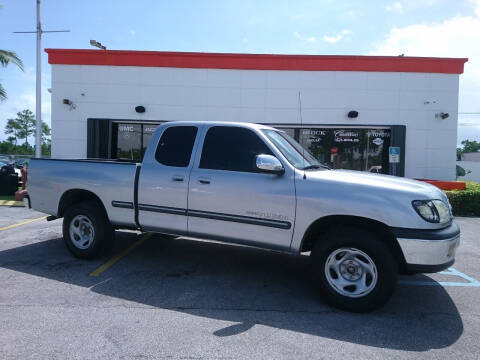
column 125, row 252
column 11, row 203
column 22, row 223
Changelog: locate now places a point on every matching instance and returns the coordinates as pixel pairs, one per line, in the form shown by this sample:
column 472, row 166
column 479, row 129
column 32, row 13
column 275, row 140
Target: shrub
column 465, row 202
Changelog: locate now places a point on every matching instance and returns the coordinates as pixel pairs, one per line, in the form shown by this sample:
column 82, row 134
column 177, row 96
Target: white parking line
column 471, row 282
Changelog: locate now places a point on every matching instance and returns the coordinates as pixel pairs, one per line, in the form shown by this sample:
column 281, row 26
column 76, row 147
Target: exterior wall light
column 69, row 103
column 442, row 115
column 140, row 109
column 97, row 44
column 352, row 114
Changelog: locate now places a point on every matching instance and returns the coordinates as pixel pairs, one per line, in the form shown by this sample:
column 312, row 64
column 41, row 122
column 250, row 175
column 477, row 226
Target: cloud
column 332, row 39
column 343, row 35
column 396, row 7
column 307, row 39
column 454, row 37
column 403, row 6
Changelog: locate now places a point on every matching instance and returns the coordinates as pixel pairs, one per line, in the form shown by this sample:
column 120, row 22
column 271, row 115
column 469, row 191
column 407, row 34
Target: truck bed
column 113, row 181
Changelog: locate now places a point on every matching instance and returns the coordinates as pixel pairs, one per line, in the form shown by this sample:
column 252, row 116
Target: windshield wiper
column 312, row 167
column 316, row 166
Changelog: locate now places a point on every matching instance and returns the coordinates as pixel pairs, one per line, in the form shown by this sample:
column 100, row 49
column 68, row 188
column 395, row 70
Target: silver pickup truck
column 254, row 185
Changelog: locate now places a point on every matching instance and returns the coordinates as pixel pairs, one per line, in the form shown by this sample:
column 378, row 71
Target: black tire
column 103, row 232
column 376, row 250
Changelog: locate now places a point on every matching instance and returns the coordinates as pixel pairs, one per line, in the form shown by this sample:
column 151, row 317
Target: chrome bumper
column 429, row 251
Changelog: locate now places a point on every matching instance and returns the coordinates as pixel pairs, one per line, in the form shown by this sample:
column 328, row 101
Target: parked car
column 375, row 169
column 254, row 185
column 9, row 180
column 6, row 167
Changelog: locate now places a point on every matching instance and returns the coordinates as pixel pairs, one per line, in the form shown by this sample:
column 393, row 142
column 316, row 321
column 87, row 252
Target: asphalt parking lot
column 162, row 298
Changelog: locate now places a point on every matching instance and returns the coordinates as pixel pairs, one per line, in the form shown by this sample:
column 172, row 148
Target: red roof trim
column 256, row 61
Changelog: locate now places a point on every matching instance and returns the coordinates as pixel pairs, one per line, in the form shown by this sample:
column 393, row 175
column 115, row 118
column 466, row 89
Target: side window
column 176, row 145
column 231, row 148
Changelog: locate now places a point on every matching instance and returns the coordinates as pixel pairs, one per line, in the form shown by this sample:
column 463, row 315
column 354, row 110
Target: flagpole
column 38, row 105
column 38, row 111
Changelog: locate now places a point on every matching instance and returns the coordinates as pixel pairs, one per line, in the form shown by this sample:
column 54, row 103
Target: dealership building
column 347, row 110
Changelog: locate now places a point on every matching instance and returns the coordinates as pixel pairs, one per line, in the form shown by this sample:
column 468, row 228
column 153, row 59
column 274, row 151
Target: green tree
column 459, row 154
column 45, row 132
column 470, row 146
column 25, row 121
column 23, row 127
column 12, row 128
column 47, row 148
column 6, row 147
column 7, row 57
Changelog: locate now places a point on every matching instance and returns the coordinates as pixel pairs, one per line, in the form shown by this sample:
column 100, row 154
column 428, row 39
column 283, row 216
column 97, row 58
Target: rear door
column 163, row 183
column 230, row 200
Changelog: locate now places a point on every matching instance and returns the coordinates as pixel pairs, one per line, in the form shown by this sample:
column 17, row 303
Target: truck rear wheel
column 86, row 230
column 355, row 271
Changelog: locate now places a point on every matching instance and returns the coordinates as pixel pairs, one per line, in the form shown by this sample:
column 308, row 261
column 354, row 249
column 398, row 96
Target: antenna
column 38, row 110
column 301, row 127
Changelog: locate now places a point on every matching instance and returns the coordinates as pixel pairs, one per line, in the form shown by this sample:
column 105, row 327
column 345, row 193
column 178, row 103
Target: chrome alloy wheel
column 82, row 232
column 351, row 272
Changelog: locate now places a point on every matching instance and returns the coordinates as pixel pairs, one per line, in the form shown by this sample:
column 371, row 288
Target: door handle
column 178, row 178
column 204, row 181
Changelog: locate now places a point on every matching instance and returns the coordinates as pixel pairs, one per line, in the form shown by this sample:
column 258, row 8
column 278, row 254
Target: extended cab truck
column 252, row 184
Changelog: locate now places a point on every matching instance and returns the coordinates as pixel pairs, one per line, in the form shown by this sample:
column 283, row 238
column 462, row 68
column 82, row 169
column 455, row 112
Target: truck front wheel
column 86, row 230
column 355, row 271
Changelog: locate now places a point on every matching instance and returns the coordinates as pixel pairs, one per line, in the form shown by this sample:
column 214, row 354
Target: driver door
column 230, row 200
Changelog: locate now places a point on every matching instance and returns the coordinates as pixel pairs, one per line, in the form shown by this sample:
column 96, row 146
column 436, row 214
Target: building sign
column 149, row 129
column 377, row 141
column 394, row 154
column 346, row 136
column 313, row 135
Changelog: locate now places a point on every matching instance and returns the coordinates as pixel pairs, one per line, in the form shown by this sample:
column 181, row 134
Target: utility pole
column 38, row 101
column 38, row 108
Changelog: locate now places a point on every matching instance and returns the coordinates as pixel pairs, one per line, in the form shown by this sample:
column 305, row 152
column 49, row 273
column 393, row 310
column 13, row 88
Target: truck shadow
column 245, row 286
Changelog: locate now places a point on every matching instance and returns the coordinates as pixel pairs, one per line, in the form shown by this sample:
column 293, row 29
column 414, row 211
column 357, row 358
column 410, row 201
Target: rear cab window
column 176, row 145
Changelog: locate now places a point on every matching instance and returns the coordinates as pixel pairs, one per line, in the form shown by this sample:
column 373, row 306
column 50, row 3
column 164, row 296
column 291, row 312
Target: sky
column 444, row 28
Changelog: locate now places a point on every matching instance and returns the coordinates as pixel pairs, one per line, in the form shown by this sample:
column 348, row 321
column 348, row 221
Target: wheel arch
column 383, row 231
column 75, row 196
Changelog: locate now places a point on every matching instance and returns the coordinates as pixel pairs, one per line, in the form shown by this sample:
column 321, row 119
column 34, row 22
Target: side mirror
column 269, row 164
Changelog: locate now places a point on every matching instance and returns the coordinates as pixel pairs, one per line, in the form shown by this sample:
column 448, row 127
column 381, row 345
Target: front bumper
column 428, row 251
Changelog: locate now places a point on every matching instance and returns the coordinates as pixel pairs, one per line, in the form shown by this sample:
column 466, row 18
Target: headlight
column 435, row 211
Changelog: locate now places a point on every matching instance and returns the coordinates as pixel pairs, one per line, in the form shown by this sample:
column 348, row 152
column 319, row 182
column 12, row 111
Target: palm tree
column 7, row 57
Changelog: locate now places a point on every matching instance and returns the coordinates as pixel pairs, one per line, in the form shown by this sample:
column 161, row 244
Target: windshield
column 296, row 155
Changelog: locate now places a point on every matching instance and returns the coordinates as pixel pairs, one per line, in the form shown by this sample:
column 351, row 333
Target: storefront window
column 132, row 140
column 347, row 148
column 147, row 133
column 129, row 141
column 364, row 149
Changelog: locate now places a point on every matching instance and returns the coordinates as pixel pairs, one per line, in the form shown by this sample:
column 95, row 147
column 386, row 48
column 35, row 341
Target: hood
column 420, row 190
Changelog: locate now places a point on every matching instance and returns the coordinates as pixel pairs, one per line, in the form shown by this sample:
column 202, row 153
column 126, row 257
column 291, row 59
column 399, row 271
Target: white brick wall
column 410, row 99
